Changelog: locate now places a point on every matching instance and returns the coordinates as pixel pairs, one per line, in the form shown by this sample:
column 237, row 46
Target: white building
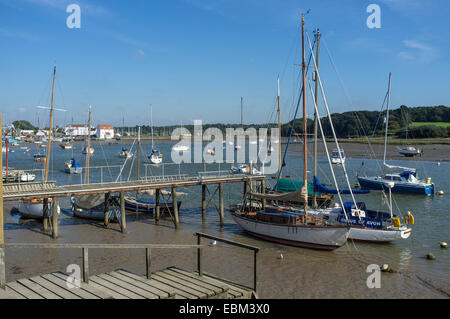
column 105, row 131
column 78, row 130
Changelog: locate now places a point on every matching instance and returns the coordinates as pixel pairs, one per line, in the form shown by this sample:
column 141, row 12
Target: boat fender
column 396, row 222
column 409, row 218
column 306, row 219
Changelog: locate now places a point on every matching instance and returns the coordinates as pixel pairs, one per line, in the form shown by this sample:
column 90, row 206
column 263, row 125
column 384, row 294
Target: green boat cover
column 287, row 185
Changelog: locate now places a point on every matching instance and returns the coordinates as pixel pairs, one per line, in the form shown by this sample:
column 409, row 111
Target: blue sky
column 194, row 59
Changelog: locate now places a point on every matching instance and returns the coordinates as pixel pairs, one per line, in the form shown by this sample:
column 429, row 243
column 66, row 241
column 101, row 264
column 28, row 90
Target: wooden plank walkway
column 27, row 191
column 172, row 282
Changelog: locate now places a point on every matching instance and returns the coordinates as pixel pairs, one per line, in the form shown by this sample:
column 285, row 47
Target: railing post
column 85, row 265
column 199, row 256
column 148, row 263
column 255, row 277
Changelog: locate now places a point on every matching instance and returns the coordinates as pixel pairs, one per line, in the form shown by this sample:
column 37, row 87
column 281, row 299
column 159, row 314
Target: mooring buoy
column 430, row 256
column 443, row 244
column 440, row 193
column 385, row 268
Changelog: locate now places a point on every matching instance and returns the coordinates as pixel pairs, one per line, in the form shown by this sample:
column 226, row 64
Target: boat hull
column 424, row 189
column 147, row 205
column 34, row 210
column 378, row 235
column 315, row 237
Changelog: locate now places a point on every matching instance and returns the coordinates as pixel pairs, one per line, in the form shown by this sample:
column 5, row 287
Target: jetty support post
column 157, row 205
column 55, row 206
column 203, row 202
column 85, row 253
column 123, row 220
column 175, row 207
column 106, row 210
column 263, row 191
column 221, row 210
column 148, row 263
column 2, row 237
column 45, row 215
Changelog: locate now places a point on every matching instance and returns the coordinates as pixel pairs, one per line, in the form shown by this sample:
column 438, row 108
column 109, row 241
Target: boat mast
column 139, row 150
column 151, row 123
column 242, row 112
column 47, row 159
column 279, row 125
column 88, row 153
column 305, row 168
column 387, row 118
column 315, row 114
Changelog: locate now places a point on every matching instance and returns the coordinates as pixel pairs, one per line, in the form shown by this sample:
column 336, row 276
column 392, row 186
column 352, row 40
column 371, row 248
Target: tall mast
column 242, row 112
column 47, row 159
column 279, row 125
column 139, row 150
column 315, row 113
column 151, row 122
column 88, row 153
column 387, row 118
column 305, row 163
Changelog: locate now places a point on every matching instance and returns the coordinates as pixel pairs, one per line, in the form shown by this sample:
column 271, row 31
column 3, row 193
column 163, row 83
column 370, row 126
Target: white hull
column 34, row 210
column 381, row 236
column 327, row 238
column 156, row 160
column 337, row 161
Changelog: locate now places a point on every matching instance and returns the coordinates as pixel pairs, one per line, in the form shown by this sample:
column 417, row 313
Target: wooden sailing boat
column 35, row 208
column 292, row 226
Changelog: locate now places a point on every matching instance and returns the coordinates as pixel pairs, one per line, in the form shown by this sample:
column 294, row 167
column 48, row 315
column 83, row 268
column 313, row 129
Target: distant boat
column 155, row 157
column 125, row 153
column 245, row 169
column 91, row 150
column 409, row 151
column 66, row 146
column 180, row 148
column 73, row 167
column 337, row 158
column 404, row 182
column 39, row 157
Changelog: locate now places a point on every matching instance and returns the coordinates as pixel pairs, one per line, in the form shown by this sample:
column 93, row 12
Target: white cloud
column 22, row 110
column 418, row 51
column 141, row 52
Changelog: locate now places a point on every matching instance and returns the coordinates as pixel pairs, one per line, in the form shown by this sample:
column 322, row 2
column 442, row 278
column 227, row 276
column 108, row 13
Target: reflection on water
column 302, row 273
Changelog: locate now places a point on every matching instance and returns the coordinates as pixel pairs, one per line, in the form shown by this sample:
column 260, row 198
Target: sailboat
column 288, row 225
column 125, row 153
column 35, row 208
column 155, row 156
column 409, row 151
column 179, row 147
column 405, row 181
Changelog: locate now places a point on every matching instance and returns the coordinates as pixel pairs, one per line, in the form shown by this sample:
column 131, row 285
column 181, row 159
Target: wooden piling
column 157, row 205
column 106, row 210
column 203, row 202
column 221, row 212
column 175, row 207
column 123, row 221
column 45, row 215
column 263, row 191
column 85, row 253
column 55, row 206
column 148, row 263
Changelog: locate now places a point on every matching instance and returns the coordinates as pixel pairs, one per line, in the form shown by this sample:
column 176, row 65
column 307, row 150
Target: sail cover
column 318, row 187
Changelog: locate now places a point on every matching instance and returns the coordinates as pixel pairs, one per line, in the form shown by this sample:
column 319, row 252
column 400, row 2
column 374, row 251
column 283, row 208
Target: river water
column 301, row 273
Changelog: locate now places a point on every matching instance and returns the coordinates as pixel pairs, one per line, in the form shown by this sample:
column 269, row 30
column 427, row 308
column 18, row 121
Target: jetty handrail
column 229, row 242
column 85, row 253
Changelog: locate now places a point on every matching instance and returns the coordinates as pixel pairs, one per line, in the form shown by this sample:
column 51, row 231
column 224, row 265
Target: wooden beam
column 157, row 205
column 106, row 210
column 175, row 207
column 123, row 220
column 221, row 211
column 203, row 202
column 55, row 217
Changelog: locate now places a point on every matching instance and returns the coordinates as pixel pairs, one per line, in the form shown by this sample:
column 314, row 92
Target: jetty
column 172, row 282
